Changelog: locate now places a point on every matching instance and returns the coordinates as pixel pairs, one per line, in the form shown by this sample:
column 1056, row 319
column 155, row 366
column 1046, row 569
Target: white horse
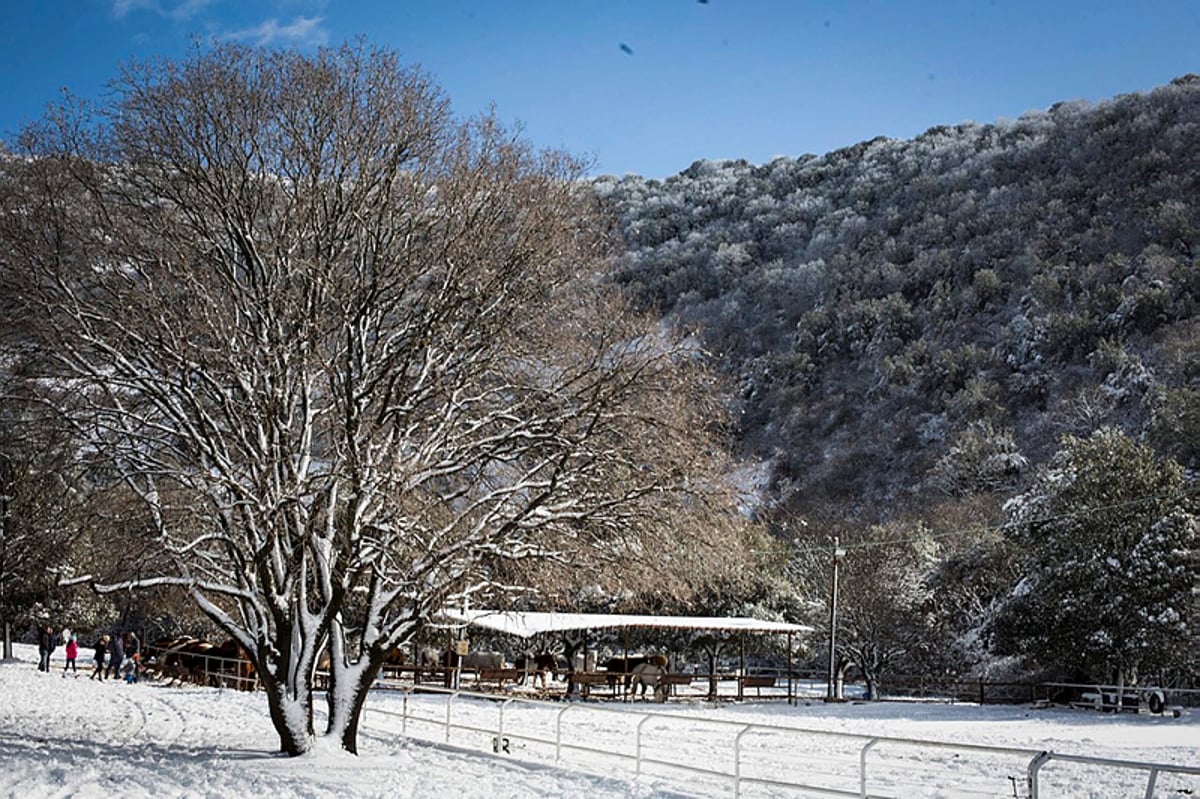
column 649, row 675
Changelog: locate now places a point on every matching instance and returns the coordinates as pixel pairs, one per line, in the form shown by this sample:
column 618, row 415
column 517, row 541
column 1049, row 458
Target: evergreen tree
column 1109, row 534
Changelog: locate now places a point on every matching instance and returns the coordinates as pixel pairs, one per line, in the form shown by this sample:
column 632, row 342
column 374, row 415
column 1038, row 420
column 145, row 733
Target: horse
column 181, row 658
column 230, row 659
column 649, row 675
column 538, row 665
column 393, row 663
column 619, row 666
column 171, row 657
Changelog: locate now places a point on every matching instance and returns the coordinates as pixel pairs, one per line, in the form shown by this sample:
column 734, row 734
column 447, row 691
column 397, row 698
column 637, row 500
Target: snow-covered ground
column 65, row 737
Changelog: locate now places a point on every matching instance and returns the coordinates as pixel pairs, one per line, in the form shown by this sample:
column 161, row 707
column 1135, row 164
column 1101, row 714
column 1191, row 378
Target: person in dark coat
column 98, row 658
column 116, row 653
column 45, row 647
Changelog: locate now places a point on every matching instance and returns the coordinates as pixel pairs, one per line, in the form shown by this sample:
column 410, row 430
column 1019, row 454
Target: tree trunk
column 348, row 687
column 1120, row 698
column 872, row 686
column 291, row 712
column 712, row 675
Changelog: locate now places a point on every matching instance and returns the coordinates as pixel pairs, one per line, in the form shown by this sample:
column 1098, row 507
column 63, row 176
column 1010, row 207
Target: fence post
column 504, row 704
column 737, row 761
column 862, row 767
column 1035, row 766
column 558, row 734
column 449, row 702
column 404, row 715
column 638, row 750
column 1150, row 784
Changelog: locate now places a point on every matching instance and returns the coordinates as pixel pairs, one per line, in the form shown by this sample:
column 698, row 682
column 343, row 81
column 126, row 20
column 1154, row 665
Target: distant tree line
column 925, row 336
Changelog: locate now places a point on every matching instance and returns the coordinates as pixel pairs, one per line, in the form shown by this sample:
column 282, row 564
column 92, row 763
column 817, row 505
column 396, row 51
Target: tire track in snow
column 166, row 723
column 136, row 716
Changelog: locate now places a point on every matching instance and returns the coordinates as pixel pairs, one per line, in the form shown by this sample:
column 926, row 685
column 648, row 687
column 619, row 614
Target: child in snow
column 72, row 653
column 133, row 651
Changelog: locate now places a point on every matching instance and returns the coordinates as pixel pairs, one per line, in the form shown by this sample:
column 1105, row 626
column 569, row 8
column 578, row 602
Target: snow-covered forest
column 927, row 341
column 292, row 355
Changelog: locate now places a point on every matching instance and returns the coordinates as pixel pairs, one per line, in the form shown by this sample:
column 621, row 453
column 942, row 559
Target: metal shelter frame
column 526, row 624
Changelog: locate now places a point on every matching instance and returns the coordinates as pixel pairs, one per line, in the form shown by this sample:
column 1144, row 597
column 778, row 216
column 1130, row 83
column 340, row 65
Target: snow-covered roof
column 526, row 624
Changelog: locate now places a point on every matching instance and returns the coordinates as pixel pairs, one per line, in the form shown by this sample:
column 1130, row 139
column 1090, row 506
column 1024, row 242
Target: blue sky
column 648, row 86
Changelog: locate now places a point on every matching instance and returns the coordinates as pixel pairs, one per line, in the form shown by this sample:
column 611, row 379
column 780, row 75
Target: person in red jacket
column 72, row 653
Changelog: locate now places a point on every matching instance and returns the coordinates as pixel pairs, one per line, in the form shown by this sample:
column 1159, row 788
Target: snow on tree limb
column 348, row 352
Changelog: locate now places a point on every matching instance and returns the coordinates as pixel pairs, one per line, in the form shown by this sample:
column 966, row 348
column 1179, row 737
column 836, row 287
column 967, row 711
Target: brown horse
column 229, row 662
column 180, row 658
column 539, row 666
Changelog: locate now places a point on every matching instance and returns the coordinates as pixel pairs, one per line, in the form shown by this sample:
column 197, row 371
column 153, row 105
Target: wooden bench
column 758, row 682
column 499, row 675
column 593, row 677
column 676, row 679
column 429, row 675
column 586, row 679
column 616, row 680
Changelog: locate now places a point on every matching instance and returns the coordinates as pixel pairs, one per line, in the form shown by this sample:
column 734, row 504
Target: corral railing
column 991, row 692
column 201, row 667
column 716, row 755
column 768, row 683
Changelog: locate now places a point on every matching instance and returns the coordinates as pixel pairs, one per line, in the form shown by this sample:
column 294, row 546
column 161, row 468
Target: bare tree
column 882, row 593
column 351, row 353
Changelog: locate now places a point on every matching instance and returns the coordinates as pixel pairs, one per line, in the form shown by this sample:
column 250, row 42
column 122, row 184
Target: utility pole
column 6, row 481
column 838, row 554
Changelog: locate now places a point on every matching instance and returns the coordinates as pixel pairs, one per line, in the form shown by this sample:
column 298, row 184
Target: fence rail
column 738, row 754
column 218, row 670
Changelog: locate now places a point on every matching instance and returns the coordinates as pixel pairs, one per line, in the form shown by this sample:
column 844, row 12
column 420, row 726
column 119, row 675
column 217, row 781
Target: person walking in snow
column 98, row 658
column 45, row 647
column 116, row 654
column 72, row 653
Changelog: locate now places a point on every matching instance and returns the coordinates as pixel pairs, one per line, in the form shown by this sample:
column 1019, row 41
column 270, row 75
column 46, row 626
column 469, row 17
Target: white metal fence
column 721, row 757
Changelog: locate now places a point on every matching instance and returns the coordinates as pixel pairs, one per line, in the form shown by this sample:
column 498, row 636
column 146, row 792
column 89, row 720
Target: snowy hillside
column 78, row 738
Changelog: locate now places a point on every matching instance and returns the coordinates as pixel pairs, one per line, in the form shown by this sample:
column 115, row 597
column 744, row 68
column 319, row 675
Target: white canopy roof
column 526, row 624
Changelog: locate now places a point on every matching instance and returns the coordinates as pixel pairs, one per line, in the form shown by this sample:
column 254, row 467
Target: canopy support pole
column 791, row 694
column 741, row 694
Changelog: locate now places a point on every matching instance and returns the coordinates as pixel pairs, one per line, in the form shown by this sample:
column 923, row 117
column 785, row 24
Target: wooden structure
column 526, row 624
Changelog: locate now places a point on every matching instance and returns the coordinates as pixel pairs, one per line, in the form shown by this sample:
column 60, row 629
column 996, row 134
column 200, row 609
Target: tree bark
column 348, row 687
column 291, row 713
